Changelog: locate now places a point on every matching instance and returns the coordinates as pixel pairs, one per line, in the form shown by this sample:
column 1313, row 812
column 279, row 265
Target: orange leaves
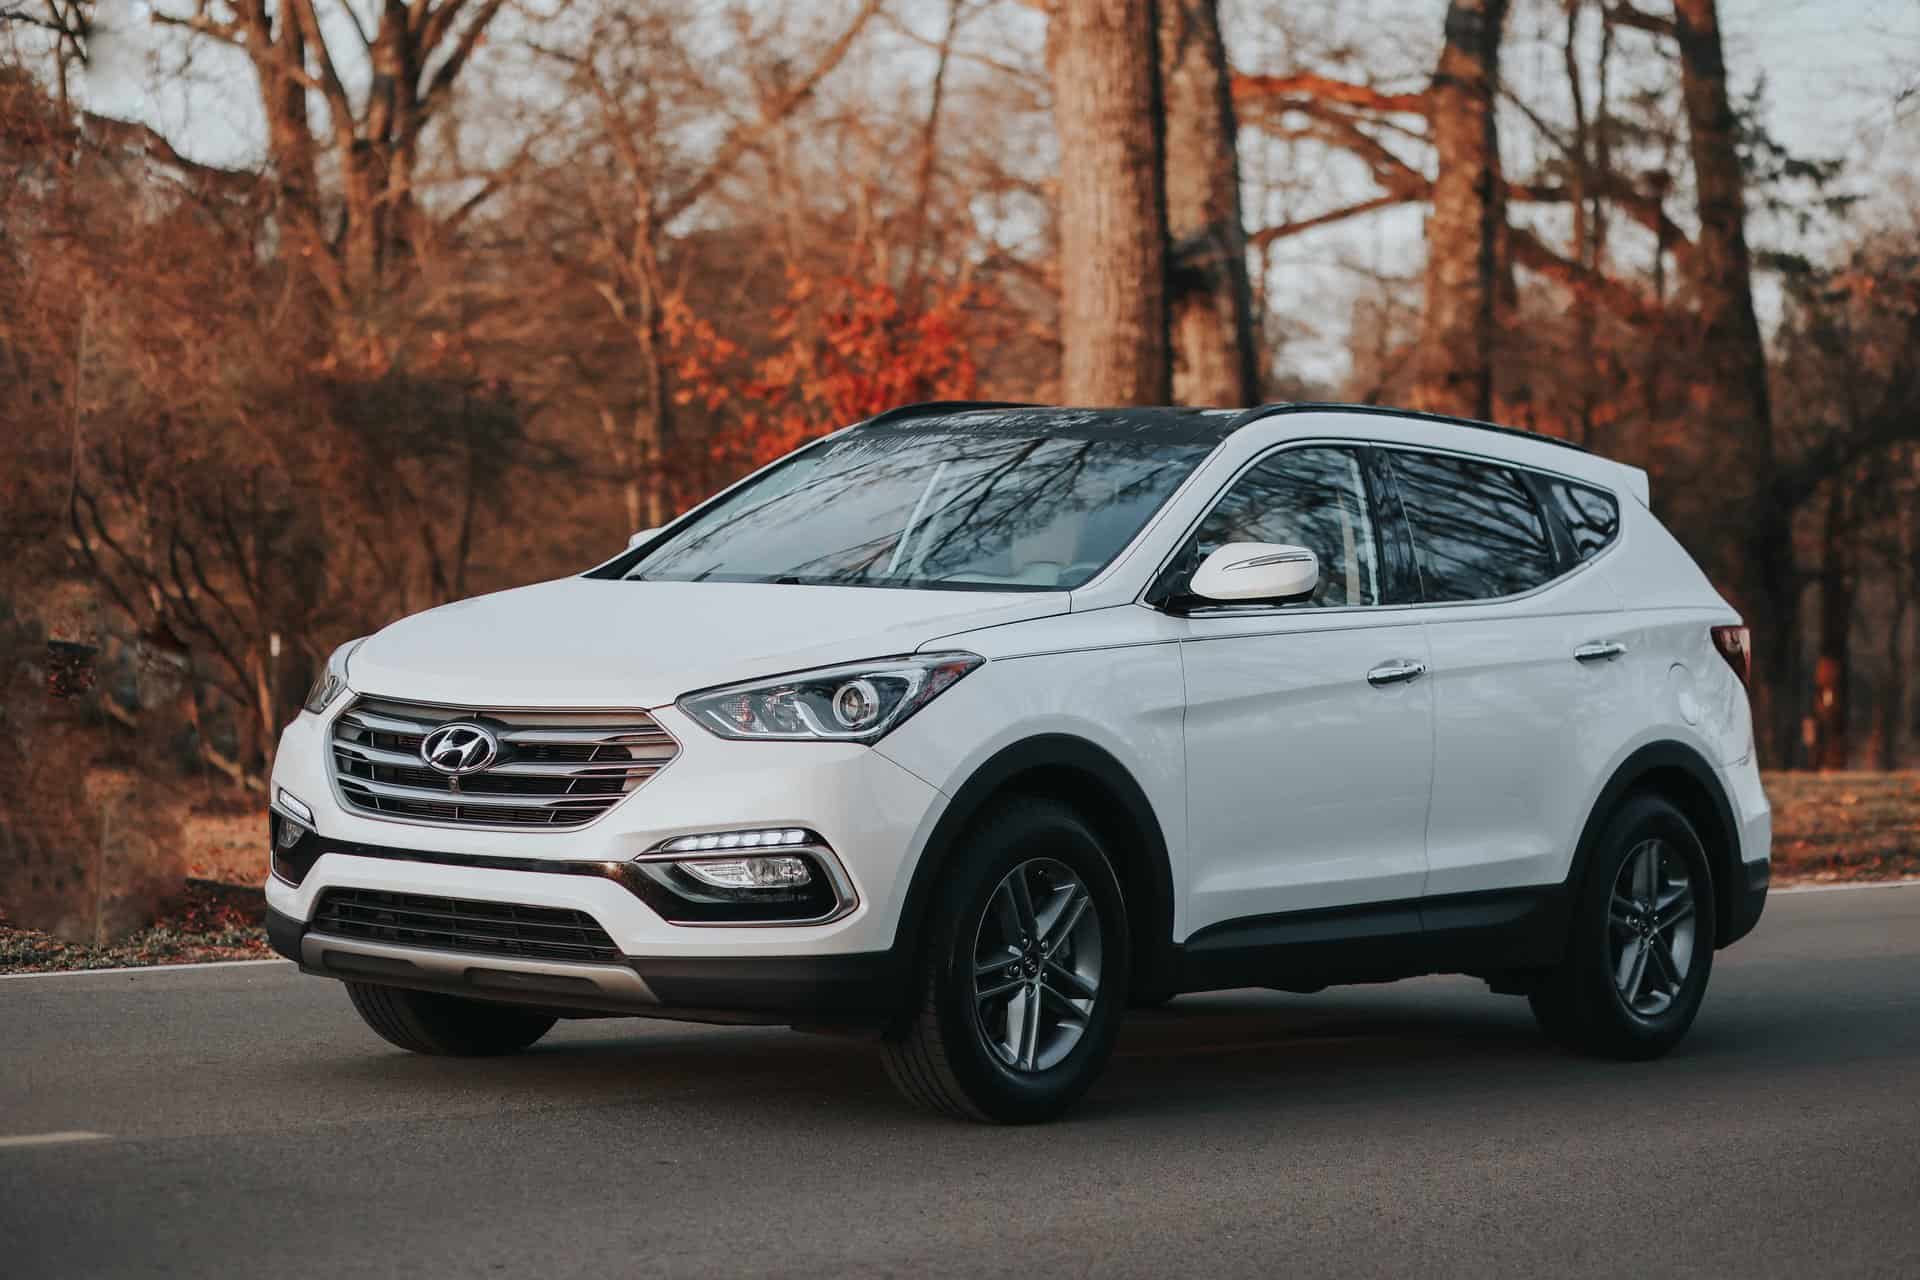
column 846, row 349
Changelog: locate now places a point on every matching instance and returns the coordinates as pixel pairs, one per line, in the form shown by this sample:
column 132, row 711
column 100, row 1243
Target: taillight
column 1736, row 646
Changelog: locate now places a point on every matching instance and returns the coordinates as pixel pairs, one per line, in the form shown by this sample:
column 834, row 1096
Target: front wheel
column 1641, row 943
column 446, row 1026
column 1023, row 973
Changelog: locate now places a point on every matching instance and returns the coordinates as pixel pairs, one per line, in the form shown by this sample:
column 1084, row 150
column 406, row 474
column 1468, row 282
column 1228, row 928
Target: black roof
column 1171, row 424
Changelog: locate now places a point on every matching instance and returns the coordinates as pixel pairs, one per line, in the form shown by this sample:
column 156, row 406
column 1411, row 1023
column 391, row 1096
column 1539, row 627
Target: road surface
column 221, row 1121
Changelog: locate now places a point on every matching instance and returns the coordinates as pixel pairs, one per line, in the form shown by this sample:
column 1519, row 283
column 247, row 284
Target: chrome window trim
column 1368, row 442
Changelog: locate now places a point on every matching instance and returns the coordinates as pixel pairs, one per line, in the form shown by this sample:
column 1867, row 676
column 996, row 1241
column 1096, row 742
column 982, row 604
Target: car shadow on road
column 1447, row 1040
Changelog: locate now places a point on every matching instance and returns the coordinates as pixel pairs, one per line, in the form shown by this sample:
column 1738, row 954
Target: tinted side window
column 1476, row 529
column 1313, row 498
column 1592, row 517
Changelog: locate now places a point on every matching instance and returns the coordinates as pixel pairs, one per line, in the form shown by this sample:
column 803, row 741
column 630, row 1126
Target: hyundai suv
column 971, row 725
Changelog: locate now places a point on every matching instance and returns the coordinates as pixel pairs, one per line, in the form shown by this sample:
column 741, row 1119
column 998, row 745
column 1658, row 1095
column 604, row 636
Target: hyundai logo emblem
column 462, row 747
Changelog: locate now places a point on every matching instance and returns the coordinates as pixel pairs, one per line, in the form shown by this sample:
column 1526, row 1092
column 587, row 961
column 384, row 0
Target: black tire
column 1582, row 1003
column 446, row 1026
column 940, row 1055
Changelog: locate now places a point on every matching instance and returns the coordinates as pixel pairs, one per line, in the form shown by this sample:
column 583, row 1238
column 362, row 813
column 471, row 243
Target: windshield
column 951, row 505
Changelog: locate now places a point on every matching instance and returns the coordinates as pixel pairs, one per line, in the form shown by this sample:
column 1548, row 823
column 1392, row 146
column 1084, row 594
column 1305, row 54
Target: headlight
column 333, row 678
column 860, row 702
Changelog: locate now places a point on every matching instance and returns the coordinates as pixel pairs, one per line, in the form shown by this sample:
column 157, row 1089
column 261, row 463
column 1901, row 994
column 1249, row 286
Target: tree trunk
column 1113, row 314
column 1209, row 298
column 1455, row 365
column 1893, row 702
column 1833, row 670
column 1742, row 529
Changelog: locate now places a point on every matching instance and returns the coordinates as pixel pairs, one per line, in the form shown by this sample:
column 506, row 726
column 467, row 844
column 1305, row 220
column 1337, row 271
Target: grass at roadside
column 1836, row 827
column 1831, row 827
column 215, row 922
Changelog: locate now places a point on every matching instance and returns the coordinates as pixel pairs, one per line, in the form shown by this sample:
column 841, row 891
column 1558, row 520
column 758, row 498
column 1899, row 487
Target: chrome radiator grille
column 553, row 769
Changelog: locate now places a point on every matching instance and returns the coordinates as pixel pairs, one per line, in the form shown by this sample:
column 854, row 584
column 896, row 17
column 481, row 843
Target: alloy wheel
column 1651, row 928
column 1036, row 965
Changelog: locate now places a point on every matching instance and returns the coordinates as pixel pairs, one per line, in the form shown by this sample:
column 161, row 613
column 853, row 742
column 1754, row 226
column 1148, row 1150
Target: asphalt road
column 252, row 1125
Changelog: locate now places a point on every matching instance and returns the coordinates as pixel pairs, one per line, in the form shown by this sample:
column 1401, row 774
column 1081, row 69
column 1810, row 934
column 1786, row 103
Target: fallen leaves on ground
column 216, row 922
column 1830, row 827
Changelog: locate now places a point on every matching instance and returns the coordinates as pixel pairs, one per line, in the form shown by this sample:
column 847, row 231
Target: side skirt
column 1501, row 935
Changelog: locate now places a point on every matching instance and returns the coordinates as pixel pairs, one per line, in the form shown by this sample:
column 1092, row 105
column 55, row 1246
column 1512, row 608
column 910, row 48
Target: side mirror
column 1242, row 572
column 640, row 537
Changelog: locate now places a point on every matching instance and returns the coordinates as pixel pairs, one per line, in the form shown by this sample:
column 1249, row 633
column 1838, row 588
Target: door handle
column 1396, row 673
column 1602, row 652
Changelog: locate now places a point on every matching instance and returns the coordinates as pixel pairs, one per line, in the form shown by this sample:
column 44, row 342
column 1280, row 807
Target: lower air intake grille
column 463, row 924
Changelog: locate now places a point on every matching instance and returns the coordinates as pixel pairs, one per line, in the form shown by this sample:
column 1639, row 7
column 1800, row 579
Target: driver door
column 1309, row 751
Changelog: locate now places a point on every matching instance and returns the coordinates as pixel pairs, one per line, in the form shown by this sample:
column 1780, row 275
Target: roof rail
column 1388, row 411
column 927, row 407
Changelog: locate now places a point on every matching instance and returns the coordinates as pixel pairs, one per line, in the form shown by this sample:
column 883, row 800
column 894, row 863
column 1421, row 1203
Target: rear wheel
column 1641, row 944
column 446, row 1026
column 1023, row 973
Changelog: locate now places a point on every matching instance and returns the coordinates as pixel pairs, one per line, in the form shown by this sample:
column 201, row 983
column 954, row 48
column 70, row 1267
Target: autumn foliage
column 481, row 290
column 845, row 350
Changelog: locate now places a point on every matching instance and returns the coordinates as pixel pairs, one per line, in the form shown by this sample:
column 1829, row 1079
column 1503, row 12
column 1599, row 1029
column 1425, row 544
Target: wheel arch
column 1102, row 791
column 1681, row 776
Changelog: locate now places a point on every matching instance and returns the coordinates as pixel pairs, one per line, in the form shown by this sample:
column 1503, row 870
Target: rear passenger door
column 1528, row 685
column 1306, row 782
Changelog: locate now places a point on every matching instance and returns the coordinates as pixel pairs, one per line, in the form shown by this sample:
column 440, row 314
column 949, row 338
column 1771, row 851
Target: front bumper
column 858, row 988
column 871, row 813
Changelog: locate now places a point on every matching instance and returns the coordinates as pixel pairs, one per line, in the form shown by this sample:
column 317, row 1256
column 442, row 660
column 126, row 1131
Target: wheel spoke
column 1063, row 924
column 1023, row 903
column 994, row 964
column 985, row 994
column 1646, row 872
column 1632, row 973
column 1007, row 911
column 1070, row 983
column 1029, row 1030
column 1664, row 962
column 1061, row 1005
column 1681, row 908
column 1622, row 912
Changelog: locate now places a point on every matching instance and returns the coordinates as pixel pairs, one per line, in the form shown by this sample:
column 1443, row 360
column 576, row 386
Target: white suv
column 974, row 724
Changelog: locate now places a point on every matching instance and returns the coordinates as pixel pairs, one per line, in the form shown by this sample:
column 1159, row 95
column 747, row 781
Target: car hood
column 593, row 642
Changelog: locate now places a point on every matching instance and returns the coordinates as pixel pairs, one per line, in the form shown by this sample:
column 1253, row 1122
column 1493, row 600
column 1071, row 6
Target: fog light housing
column 290, row 825
column 294, row 807
column 712, row 878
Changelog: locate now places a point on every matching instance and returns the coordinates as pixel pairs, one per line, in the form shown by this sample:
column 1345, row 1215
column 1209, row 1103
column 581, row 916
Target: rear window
column 1592, row 518
column 1477, row 532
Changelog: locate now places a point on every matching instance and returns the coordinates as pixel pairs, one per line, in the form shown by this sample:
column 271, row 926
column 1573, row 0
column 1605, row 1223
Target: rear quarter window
column 1478, row 534
column 1592, row 518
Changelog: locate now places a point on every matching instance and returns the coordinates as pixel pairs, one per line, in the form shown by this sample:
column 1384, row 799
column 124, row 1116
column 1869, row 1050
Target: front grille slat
column 473, row 796
column 556, row 769
column 465, row 924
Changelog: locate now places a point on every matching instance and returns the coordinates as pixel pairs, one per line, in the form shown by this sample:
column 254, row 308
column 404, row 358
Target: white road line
column 142, row 968
column 53, row 1139
column 1850, row 885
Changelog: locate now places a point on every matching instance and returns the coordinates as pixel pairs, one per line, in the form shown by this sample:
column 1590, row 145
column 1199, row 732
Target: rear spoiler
column 1635, row 483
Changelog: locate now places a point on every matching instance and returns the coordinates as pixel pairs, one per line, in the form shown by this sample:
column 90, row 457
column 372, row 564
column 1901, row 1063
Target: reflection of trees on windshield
column 954, row 508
